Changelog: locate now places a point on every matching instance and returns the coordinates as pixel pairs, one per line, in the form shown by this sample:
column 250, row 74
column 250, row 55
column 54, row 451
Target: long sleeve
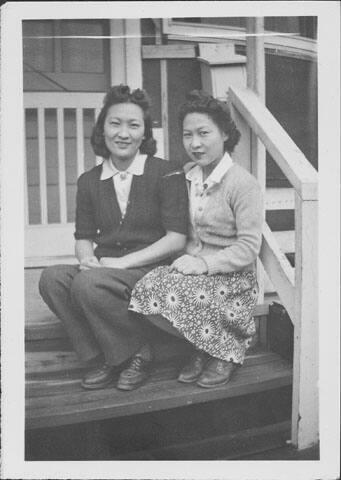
column 246, row 204
column 85, row 214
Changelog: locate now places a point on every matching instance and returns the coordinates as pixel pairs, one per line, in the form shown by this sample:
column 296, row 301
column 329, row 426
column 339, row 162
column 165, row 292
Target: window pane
column 82, row 55
column 291, row 96
column 38, row 52
column 152, row 84
column 183, row 76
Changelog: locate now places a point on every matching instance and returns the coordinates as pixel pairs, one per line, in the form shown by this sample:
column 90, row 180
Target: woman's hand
column 189, row 265
column 113, row 262
column 89, row 262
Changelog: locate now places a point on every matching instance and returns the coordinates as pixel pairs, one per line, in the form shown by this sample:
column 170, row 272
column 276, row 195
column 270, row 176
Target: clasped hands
column 189, row 265
column 186, row 264
column 92, row 262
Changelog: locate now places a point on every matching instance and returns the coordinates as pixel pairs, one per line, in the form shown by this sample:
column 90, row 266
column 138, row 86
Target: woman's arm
column 171, row 243
column 84, row 251
column 247, row 204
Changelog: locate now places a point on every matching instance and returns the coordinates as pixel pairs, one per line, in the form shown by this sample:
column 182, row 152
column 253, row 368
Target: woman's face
column 203, row 140
column 124, row 130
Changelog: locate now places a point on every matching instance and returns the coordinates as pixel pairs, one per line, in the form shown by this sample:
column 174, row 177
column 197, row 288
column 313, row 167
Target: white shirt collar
column 216, row 175
column 135, row 168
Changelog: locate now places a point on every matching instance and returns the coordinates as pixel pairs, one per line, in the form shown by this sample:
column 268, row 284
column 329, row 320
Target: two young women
column 134, row 207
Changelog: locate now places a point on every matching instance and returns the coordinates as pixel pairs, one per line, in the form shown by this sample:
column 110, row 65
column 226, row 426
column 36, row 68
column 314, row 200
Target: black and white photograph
column 170, row 182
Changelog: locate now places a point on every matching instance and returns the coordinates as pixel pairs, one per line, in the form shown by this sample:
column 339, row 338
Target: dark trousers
column 93, row 306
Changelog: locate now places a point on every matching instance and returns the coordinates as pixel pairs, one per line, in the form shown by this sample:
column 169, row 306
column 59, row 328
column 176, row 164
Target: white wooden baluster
column 80, row 141
column 42, row 166
column 61, row 165
column 255, row 68
column 305, row 420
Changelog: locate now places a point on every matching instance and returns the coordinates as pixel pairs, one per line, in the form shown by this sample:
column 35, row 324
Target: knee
column 49, row 279
column 84, row 286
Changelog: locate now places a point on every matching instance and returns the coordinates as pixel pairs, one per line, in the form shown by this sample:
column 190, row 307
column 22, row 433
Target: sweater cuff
column 213, row 264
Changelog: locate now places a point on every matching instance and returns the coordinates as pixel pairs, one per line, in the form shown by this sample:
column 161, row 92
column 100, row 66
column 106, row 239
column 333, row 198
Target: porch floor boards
column 61, row 401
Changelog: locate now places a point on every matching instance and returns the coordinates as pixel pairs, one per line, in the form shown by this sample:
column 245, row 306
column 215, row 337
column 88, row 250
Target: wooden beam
column 133, row 59
column 255, row 74
column 164, row 91
column 279, row 199
column 288, row 156
column 151, row 52
column 279, row 270
column 117, row 52
column 305, row 420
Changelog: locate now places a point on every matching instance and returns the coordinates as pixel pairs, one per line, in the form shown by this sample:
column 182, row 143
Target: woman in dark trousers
column 208, row 295
column 131, row 215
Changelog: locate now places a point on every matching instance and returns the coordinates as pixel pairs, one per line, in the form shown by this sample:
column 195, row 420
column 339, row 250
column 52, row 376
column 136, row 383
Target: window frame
column 58, row 80
column 275, row 42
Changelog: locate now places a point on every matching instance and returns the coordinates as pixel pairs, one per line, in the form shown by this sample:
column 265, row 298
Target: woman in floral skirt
column 209, row 293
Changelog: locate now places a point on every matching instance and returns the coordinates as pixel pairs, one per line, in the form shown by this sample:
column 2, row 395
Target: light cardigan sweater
column 227, row 231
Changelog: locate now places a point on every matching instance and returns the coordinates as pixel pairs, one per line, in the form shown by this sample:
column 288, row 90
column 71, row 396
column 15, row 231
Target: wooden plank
column 108, row 403
column 305, row 418
column 285, row 240
column 61, row 165
column 80, row 141
column 63, row 99
column 289, row 44
column 164, row 91
column 285, row 152
column 117, row 48
column 133, row 59
column 42, row 166
column 279, row 270
column 255, row 68
column 35, row 262
column 35, row 248
column 228, row 446
column 279, row 199
column 42, row 365
column 151, row 52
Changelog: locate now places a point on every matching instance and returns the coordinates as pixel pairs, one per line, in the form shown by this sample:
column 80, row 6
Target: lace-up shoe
column 217, row 372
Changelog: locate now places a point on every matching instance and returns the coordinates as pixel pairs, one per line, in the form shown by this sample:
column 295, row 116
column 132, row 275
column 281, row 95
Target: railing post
column 305, row 419
column 255, row 68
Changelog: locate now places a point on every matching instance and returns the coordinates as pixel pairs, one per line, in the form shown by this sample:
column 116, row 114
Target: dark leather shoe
column 135, row 374
column 217, row 372
column 191, row 372
column 99, row 377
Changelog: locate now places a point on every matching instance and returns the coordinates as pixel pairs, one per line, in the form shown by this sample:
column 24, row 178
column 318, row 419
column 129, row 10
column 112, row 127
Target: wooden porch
column 53, row 394
column 57, row 406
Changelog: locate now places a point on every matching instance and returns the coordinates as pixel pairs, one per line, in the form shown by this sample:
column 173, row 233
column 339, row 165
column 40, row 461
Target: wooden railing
column 48, row 217
column 297, row 288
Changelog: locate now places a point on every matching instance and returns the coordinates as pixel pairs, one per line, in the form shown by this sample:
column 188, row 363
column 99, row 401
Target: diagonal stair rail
column 297, row 288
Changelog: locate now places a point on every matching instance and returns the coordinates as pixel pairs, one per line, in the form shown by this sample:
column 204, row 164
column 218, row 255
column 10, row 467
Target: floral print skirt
column 214, row 313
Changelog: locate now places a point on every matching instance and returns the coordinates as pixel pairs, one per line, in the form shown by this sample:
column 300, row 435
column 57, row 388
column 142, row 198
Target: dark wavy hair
column 201, row 102
column 123, row 94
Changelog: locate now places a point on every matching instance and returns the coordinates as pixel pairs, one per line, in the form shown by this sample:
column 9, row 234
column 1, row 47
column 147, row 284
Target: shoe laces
column 136, row 363
column 220, row 366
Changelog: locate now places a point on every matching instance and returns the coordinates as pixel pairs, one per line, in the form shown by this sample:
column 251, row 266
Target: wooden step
column 230, row 446
column 57, row 398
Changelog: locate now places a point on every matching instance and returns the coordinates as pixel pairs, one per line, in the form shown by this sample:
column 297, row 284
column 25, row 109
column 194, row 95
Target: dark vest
column 157, row 202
